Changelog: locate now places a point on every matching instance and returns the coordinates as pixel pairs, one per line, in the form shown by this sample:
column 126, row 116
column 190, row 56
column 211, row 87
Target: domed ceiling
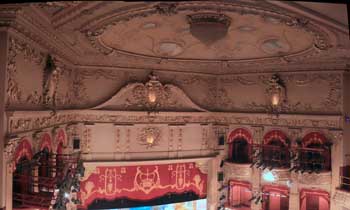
column 214, row 37
column 248, row 37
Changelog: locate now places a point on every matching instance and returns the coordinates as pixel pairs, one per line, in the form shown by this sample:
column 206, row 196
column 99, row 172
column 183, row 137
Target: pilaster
column 3, row 64
column 212, row 188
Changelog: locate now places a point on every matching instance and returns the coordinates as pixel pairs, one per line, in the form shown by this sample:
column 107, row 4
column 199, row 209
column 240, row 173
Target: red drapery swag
column 143, row 182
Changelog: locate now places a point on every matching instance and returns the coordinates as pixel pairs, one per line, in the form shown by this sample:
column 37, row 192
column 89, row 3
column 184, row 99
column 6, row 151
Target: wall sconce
column 277, row 94
column 152, row 97
column 149, row 136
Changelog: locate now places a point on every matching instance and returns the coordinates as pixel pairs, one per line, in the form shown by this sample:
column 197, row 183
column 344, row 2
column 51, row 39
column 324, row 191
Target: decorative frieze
column 26, row 121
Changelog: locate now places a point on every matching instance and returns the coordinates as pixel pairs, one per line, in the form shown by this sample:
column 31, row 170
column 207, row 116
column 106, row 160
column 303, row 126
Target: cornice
column 24, row 121
column 253, row 68
column 19, row 20
column 317, row 17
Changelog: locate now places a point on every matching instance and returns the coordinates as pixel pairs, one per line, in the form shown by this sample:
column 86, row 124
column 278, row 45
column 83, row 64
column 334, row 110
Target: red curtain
column 239, row 195
column 144, row 182
column 240, row 133
column 314, row 200
column 275, row 198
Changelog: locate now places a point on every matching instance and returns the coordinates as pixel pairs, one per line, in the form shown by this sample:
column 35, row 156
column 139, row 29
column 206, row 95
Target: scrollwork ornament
column 166, row 8
column 10, row 148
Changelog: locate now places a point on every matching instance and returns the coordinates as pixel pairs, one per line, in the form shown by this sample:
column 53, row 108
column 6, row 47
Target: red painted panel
column 144, row 182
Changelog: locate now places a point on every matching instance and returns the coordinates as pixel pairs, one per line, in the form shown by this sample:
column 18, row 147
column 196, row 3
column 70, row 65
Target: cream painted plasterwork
column 38, row 30
column 22, row 121
column 134, row 96
column 96, row 28
column 14, row 92
column 341, row 198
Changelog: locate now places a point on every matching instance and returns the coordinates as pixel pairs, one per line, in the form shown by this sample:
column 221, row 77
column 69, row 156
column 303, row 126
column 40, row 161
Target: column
column 9, row 182
column 336, row 162
column 3, row 63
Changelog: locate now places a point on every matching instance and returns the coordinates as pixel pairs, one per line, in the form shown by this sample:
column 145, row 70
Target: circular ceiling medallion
column 149, row 25
column 272, row 20
column 168, row 49
column 275, row 46
column 246, row 28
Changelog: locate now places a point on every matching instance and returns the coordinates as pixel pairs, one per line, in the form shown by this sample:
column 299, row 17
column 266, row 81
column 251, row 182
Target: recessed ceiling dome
column 208, row 27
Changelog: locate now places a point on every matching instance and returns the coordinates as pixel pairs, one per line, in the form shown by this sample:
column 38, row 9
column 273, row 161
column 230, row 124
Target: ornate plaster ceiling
column 157, row 35
column 249, row 37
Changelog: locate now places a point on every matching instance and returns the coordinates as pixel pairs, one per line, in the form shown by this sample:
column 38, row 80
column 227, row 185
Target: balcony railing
column 270, row 156
column 295, row 158
column 311, row 160
column 345, row 178
column 36, row 190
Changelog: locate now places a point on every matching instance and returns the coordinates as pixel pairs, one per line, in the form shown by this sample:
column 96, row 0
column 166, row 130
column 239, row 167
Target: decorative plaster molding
column 98, row 27
column 10, row 148
column 13, row 92
column 147, row 132
column 135, row 96
column 22, row 121
column 315, row 179
column 341, row 198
